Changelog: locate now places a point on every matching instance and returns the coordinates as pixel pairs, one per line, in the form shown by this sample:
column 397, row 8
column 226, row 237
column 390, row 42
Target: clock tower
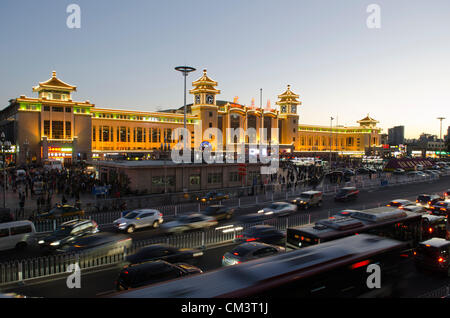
column 288, row 117
column 204, row 106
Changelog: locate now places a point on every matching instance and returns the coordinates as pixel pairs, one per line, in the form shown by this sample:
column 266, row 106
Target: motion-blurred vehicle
column 213, row 196
column 163, row 252
column 308, row 199
column 440, row 208
column 433, row 255
column 433, row 226
column 346, row 194
column 279, row 209
column 447, row 194
column 67, row 232
column 414, row 208
column 427, row 200
column 363, row 171
column 345, row 213
column 17, row 234
column 189, row 222
column 61, row 211
column 102, row 243
column 249, row 251
column 262, row 233
column 137, row 219
column 400, row 202
column 219, row 212
column 135, row 276
column 253, row 218
column 399, row 171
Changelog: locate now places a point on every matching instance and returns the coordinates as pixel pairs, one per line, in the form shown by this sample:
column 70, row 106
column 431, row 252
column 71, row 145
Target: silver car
column 189, row 222
column 249, row 251
column 279, row 209
column 137, row 219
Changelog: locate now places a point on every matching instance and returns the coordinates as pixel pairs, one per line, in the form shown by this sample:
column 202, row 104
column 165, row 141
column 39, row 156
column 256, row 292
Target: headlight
column 55, row 243
column 121, row 224
column 41, row 242
column 261, row 211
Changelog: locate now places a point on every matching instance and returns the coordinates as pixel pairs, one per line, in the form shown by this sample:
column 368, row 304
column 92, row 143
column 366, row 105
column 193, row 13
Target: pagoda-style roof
column 368, row 120
column 54, row 83
column 288, row 98
column 204, row 84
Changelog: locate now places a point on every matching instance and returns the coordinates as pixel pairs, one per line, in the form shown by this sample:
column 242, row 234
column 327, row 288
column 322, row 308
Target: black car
column 68, row 232
column 434, row 255
column 427, row 200
column 440, row 208
column 346, row 194
column 135, row 276
column 164, row 252
column 102, row 243
column 363, row 171
column 213, row 196
column 262, row 233
column 254, row 218
column 219, row 212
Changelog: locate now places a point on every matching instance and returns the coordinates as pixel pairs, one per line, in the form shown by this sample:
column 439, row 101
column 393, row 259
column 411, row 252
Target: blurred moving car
column 308, row 199
column 400, row 202
column 262, row 233
column 433, row 226
column 68, row 232
column 135, row 276
column 189, row 222
column 102, row 243
column 137, row 219
column 61, row 211
column 17, row 234
column 249, row 251
column 219, row 212
column 279, row 209
column 253, row 218
column 346, row 194
column 414, row 208
column 345, row 213
column 447, row 194
column 433, row 255
column 163, row 252
column 213, row 196
column 427, row 200
column 440, row 208
column 399, row 171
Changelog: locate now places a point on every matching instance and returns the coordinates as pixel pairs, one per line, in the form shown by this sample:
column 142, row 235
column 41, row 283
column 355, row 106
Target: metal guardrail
column 437, row 293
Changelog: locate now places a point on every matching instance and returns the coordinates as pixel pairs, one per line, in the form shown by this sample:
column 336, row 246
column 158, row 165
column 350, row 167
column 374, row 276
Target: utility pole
column 331, row 137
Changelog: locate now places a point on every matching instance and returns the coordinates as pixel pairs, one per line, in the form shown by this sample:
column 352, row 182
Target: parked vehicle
column 219, row 212
column 250, row 251
column 17, row 234
column 135, row 276
column 346, row 194
column 164, row 252
column 67, row 232
column 189, row 222
column 279, row 209
column 262, row 233
column 137, row 219
column 308, row 199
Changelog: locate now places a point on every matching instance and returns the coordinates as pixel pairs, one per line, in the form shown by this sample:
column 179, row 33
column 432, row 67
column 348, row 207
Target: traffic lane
column 101, row 283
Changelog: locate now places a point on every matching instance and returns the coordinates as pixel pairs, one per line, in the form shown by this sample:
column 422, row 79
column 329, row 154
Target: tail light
column 161, row 214
column 360, row 264
column 239, row 236
column 429, row 202
column 440, row 259
column 252, row 239
column 414, row 253
column 430, row 230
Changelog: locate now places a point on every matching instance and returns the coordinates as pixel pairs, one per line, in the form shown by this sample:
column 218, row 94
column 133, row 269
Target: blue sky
column 124, row 54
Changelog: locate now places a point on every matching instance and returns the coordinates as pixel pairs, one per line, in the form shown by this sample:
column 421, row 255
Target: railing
column 16, row 271
column 437, row 293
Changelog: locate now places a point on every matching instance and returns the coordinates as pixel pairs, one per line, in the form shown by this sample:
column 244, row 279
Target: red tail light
column 252, row 239
column 430, row 230
column 240, row 236
column 360, row 264
column 440, row 259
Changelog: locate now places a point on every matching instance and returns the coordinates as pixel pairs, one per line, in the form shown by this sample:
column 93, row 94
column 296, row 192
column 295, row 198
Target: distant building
column 396, row 135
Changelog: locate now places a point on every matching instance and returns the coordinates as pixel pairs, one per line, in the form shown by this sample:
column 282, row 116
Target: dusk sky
column 124, row 55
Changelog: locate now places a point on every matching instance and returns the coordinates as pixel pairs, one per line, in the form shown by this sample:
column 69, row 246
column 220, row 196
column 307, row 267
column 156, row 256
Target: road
column 101, row 283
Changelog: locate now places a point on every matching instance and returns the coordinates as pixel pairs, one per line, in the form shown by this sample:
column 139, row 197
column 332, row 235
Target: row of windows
column 146, row 118
column 57, row 129
column 58, row 109
column 350, row 141
column 138, row 134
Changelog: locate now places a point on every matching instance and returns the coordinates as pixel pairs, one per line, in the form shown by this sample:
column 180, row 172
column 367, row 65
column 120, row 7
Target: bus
column 384, row 221
column 338, row 269
column 434, row 226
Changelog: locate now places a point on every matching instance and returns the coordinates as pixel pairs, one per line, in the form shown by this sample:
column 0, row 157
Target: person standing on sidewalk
column 22, row 205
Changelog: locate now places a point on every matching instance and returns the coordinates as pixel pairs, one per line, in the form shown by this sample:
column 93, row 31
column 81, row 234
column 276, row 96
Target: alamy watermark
column 74, row 279
column 374, row 19
column 74, row 19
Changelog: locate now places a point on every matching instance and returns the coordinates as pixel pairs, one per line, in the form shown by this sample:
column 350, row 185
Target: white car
column 17, row 234
column 279, row 209
column 137, row 219
column 189, row 222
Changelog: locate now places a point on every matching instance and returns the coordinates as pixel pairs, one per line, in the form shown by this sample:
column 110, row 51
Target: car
column 308, row 199
column 346, row 194
column 427, row 200
column 345, row 213
column 431, row 173
column 137, row 219
column 433, row 226
column 102, row 243
column 253, row 218
column 363, row 171
column 414, row 208
column 399, row 171
column 213, row 196
column 447, row 194
column 135, row 276
column 219, row 212
column 189, row 222
column 262, row 233
column 349, row 173
column 433, row 254
column 61, row 211
column 16, row 234
column 279, row 209
column 249, row 251
column 400, row 202
column 163, row 252
column 440, row 208
column 67, row 232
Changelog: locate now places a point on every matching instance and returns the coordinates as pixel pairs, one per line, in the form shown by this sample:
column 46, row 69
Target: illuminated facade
column 53, row 126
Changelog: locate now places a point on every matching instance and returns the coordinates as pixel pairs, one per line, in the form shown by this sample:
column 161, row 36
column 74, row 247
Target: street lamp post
column 6, row 145
column 331, row 137
column 440, row 135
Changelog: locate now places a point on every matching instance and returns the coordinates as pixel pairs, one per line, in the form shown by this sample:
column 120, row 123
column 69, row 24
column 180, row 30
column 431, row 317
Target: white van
column 16, row 234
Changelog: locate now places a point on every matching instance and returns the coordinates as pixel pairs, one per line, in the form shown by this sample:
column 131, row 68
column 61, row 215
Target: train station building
column 55, row 126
